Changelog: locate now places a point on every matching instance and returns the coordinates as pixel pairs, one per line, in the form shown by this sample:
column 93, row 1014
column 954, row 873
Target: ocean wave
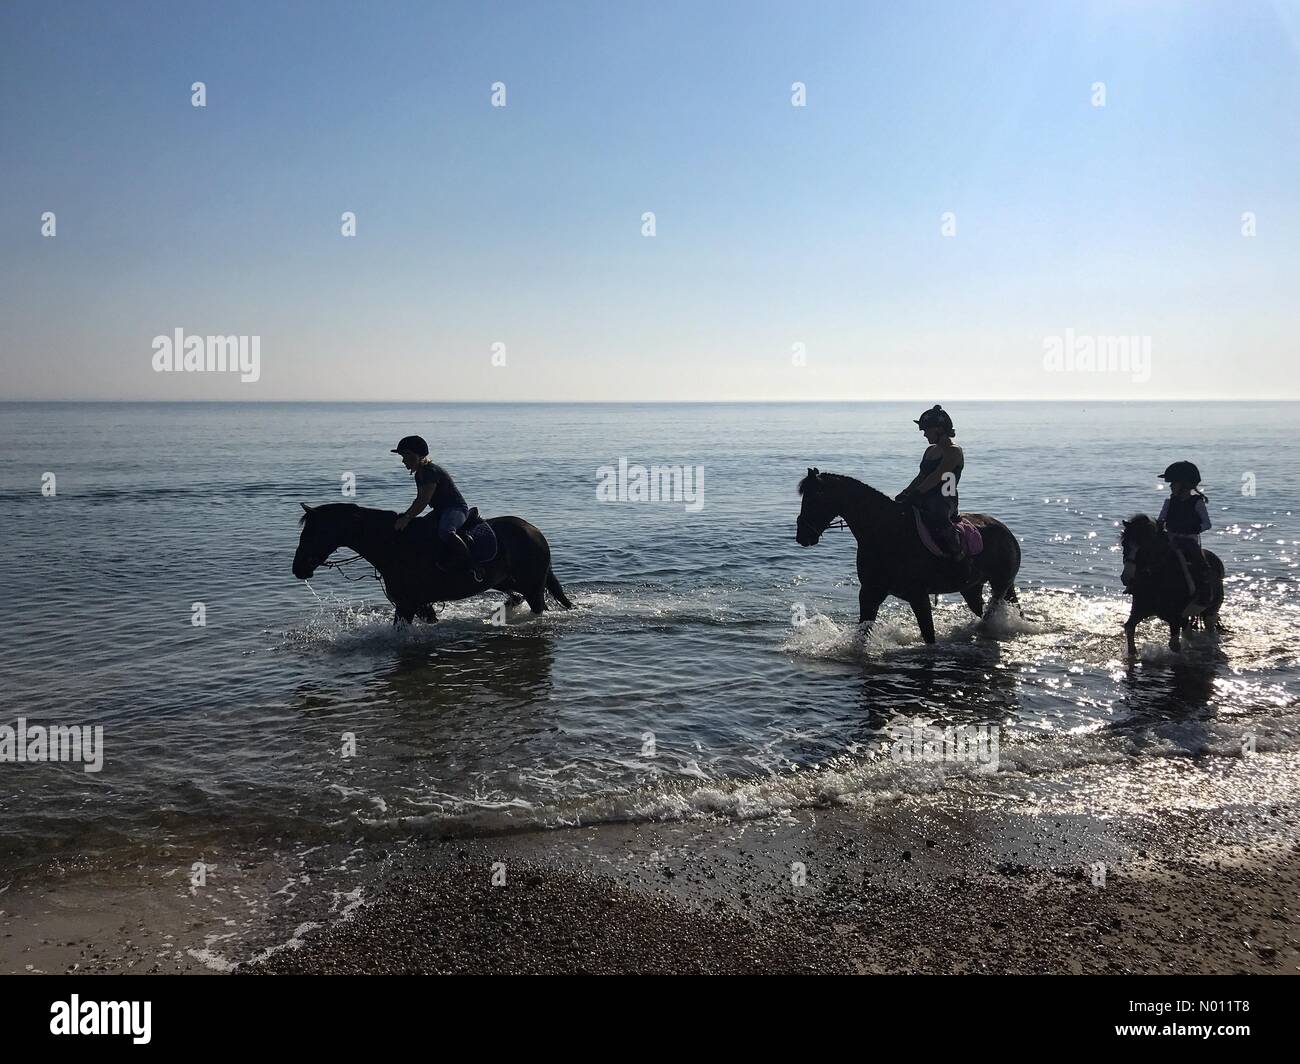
column 1027, row 760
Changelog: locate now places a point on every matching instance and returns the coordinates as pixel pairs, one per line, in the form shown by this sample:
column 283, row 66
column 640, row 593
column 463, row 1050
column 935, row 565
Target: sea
column 713, row 668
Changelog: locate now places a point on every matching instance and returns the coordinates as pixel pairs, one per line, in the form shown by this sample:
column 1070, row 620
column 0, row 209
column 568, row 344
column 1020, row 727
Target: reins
column 374, row 574
column 341, row 563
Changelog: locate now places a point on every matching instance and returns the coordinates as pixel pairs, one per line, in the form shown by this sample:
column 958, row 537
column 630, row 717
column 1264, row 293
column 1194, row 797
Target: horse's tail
column 557, row 592
column 1010, row 595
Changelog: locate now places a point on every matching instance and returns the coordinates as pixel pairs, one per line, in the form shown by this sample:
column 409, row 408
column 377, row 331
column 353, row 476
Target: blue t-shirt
column 445, row 493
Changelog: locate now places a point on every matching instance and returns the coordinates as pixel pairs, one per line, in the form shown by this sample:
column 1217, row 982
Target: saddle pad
column 970, row 536
column 482, row 540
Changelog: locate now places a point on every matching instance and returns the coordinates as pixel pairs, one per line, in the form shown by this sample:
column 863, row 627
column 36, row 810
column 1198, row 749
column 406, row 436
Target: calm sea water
column 685, row 645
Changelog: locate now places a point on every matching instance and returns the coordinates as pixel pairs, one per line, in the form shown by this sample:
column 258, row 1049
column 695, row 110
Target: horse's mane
column 1134, row 524
column 334, row 509
column 848, row 482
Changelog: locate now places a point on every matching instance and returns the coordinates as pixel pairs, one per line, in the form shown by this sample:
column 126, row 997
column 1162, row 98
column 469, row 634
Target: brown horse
column 891, row 557
column 405, row 560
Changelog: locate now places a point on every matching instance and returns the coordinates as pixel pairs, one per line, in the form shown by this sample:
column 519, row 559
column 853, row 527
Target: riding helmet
column 414, row 444
column 1182, row 473
column 938, row 417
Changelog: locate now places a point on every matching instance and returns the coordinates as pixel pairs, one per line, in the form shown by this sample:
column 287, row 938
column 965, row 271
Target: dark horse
column 405, row 560
column 891, row 558
column 1154, row 576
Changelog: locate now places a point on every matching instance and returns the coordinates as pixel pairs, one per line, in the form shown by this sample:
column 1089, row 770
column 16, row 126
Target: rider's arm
column 1164, row 516
column 914, row 486
column 422, row 499
column 1203, row 514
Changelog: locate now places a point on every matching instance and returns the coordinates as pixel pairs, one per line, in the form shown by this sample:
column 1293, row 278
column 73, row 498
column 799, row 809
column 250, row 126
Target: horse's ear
column 305, row 508
column 813, row 471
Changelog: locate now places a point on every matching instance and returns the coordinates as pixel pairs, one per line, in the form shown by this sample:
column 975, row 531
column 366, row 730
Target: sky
column 949, row 206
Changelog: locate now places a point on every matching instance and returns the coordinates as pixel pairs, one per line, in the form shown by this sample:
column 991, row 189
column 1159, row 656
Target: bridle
column 835, row 524
column 1132, row 550
column 341, row 565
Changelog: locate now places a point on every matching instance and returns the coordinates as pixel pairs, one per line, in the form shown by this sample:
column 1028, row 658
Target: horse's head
column 321, row 537
column 1137, row 532
column 818, row 509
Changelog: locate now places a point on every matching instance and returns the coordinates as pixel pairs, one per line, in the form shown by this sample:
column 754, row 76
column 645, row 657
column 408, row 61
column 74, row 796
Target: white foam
column 821, row 637
column 1027, row 759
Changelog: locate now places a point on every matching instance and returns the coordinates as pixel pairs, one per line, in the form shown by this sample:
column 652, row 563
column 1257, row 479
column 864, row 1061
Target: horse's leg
column 1009, row 595
column 924, row 618
column 1130, row 628
column 537, row 597
column 427, row 613
column 1174, row 642
column 402, row 616
column 974, row 597
column 1001, row 593
column 869, row 600
column 513, row 599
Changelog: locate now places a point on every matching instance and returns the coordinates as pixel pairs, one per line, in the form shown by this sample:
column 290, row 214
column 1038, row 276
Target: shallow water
column 685, row 647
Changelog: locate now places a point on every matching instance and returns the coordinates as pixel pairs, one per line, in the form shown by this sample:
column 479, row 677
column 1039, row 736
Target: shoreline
column 902, row 889
column 1201, row 856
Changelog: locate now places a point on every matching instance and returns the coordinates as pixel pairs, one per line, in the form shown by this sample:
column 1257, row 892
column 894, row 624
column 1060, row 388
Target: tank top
column 928, row 466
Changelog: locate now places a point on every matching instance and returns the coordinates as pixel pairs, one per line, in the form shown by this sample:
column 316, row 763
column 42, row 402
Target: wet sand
column 973, row 887
column 1201, row 875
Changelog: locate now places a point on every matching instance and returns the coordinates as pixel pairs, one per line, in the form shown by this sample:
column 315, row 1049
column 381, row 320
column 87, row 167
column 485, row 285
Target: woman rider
column 933, row 490
column 436, row 490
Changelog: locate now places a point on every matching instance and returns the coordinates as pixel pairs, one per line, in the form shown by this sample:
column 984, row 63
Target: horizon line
column 643, row 402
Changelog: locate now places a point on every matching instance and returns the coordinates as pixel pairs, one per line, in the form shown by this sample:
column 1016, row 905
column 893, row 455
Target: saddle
column 969, row 535
column 481, row 538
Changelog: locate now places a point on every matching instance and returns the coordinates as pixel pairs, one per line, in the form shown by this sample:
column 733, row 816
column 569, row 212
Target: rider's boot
column 464, row 559
column 945, row 534
column 454, row 555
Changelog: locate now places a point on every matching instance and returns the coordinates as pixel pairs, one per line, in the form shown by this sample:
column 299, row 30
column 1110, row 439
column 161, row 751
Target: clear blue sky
column 776, row 225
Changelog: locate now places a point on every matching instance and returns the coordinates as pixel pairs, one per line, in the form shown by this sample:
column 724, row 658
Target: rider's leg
column 1201, row 574
column 937, row 515
column 1197, row 568
column 452, row 542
